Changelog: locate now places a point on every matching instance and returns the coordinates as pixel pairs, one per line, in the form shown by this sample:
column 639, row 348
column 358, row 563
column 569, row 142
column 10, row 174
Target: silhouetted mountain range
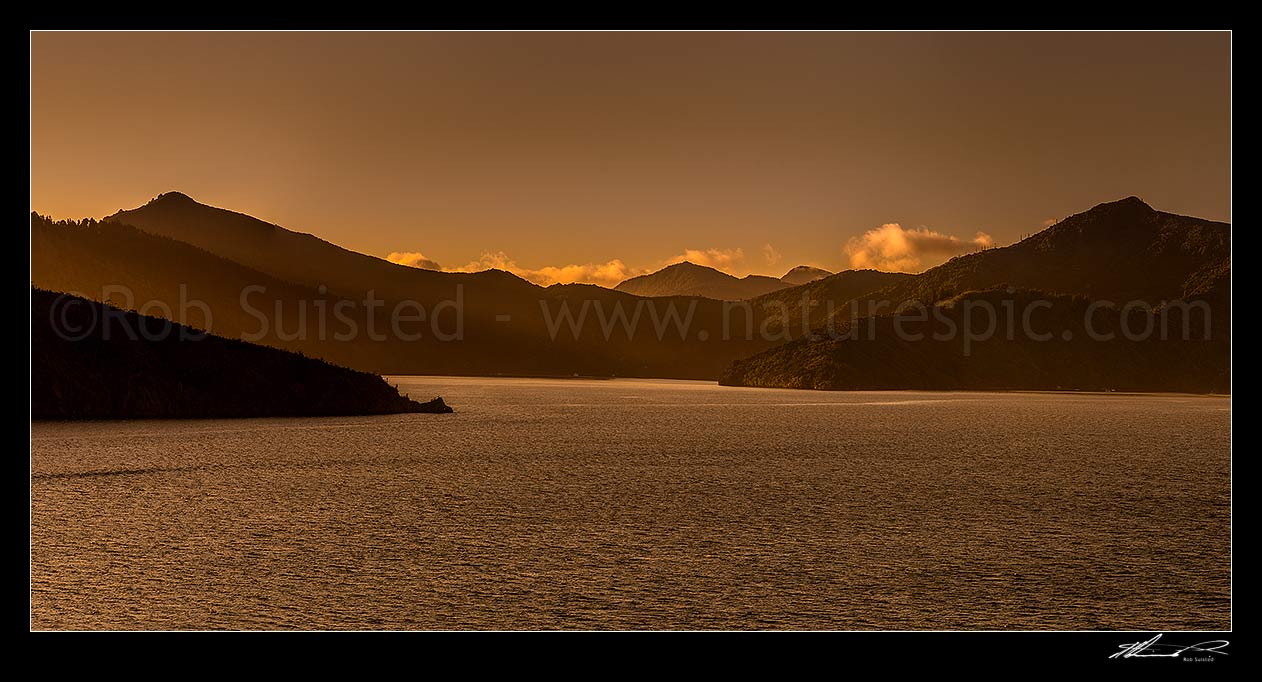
column 510, row 326
column 1120, row 251
column 175, row 249
column 690, row 279
column 1124, row 252
column 89, row 361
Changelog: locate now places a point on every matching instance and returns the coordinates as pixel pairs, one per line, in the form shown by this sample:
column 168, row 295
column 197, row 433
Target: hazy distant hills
column 690, row 279
column 804, row 274
column 143, row 368
column 820, row 299
column 1122, row 252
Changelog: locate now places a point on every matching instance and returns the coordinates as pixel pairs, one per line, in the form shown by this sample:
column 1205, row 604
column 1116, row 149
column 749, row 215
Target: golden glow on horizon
column 593, row 157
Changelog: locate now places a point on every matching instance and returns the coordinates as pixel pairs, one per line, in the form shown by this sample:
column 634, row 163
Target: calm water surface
column 645, row 504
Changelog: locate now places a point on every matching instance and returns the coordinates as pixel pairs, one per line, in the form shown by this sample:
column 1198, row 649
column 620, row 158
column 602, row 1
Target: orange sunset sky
column 598, row 156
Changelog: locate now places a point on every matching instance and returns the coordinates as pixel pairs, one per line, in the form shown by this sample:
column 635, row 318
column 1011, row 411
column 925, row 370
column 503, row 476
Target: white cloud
column 413, row 259
column 607, row 274
column 719, row 259
column 894, row 248
column 769, row 252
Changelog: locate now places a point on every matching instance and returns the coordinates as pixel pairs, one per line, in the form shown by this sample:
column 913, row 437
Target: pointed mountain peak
column 167, row 204
column 689, row 267
column 686, row 278
column 803, row 274
column 1129, row 204
column 173, row 198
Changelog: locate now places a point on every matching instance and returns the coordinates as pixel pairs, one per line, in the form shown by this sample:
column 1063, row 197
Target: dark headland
column 151, row 368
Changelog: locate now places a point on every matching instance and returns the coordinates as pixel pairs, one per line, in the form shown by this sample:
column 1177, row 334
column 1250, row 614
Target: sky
column 598, row 156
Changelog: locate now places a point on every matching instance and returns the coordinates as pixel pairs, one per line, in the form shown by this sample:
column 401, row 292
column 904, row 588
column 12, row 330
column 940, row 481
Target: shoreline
column 715, row 382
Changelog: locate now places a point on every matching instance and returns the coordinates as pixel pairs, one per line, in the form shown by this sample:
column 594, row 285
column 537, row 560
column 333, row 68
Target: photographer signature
column 1153, row 648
